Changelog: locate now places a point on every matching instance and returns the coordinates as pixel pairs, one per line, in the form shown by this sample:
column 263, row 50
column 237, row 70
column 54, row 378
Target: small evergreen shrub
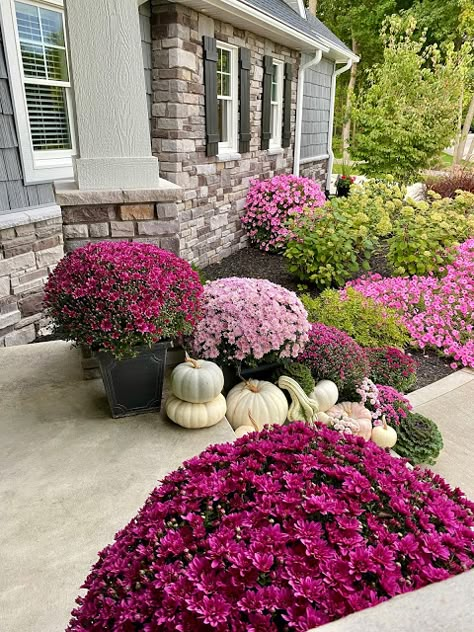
column 333, row 355
column 299, row 372
column 368, row 322
column 419, row 439
column 392, row 367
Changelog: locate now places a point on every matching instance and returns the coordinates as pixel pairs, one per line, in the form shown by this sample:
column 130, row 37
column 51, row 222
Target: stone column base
column 146, row 215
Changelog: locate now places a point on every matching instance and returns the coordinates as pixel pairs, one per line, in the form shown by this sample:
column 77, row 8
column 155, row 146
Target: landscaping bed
column 252, row 263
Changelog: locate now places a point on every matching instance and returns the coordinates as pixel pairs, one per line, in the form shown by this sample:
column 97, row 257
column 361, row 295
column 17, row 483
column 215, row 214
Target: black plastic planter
column 134, row 385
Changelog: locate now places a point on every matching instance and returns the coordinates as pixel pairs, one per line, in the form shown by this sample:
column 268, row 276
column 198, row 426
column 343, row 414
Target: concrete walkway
column 70, row 478
column 450, row 403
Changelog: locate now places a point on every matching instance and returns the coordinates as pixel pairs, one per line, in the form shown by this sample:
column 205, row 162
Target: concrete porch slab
column 71, row 477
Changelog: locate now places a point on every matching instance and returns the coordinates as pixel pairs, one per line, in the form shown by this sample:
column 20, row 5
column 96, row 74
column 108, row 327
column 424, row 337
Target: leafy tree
column 409, row 112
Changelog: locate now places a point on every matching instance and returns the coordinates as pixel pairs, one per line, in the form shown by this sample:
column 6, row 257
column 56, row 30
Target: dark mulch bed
column 256, row 264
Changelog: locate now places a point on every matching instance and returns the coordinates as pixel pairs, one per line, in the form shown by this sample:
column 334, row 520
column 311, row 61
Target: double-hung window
column 276, row 105
column 36, row 50
column 227, row 106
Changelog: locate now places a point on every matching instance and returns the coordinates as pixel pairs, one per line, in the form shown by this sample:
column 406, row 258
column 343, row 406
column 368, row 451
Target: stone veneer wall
column 316, row 170
column 214, row 191
column 28, row 252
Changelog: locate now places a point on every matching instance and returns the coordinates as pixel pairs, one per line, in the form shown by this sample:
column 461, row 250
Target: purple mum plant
column 283, row 530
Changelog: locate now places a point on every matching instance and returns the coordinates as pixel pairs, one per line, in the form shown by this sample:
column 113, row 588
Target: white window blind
column 45, row 76
column 276, row 104
column 227, row 97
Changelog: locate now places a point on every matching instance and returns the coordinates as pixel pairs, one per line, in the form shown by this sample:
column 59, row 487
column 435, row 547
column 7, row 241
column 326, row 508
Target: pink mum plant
column 272, row 203
column 283, row 530
column 116, row 295
column 246, row 320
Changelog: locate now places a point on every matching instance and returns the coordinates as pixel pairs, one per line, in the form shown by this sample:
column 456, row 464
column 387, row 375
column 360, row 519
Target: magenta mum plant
column 392, row 367
column 249, row 320
column 283, row 530
column 114, row 296
column 438, row 312
column 331, row 354
column 272, row 203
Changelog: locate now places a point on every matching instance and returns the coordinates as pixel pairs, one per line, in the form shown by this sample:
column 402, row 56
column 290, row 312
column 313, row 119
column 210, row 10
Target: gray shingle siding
column 316, row 109
column 144, row 11
column 14, row 194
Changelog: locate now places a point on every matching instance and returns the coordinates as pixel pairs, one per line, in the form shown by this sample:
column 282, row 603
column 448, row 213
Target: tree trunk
column 459, row 152
column 313, row 6
column 346, row 128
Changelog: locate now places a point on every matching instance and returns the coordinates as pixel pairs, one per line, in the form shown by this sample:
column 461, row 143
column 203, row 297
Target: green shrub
column 422, row 232
column 299, row 372
column 369, row 323
column 419, row 439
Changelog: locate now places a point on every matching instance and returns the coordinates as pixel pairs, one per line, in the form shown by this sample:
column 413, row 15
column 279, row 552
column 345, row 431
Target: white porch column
column 114, row 146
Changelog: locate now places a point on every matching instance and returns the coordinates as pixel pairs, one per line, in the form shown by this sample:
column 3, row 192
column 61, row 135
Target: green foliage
column 202, row 275
column 409, row 112
column 299, row 372
column 422, row 231
column 369, row 323
column 419, row 439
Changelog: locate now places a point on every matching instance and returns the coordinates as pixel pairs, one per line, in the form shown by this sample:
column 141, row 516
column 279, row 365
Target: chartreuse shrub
column 283, row 530
column 299, row 372
column 418, row 439
column 423, row 232
column 368, row 322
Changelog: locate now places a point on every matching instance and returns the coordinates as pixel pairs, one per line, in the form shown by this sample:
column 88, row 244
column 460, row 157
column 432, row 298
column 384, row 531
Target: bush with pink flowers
column 384, row 402
column 115, row 296
column 438, row 312
column 392, row 367
column 331, row 354
column 272, row 203
column 283, row 530
column 249, row 320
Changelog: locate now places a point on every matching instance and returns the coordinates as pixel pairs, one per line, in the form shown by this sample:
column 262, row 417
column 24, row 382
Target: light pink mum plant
column 249, row 320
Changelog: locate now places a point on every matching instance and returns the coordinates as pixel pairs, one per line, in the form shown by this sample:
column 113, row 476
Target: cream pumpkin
column 241, row 431
column 191, row 415
column 197, row 381
column 326, row 394
column 358, row 413
column 384, row 436
column 261, row 400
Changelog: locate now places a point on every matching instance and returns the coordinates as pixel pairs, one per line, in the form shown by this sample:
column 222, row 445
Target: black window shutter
column 266, row 101
column 210, row 88
column 286, row 131
column 244, row 97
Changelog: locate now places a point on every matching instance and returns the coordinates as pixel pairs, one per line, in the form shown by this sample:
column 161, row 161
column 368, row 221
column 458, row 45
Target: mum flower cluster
column 245, row 320
column 271, row 203
column 332, row 354
column 392, row 367
column 384, row 402
column 117, row 295
column 438, row 312
column 285, row 529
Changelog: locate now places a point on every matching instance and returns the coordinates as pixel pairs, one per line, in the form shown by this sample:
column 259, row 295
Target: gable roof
column 312, row 26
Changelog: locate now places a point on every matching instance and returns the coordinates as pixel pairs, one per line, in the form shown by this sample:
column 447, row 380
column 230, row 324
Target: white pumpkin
column 197, row 381
column 384, row 436
column 241, row 431
column 191, row 415
column 326, row 394
column 261, row 400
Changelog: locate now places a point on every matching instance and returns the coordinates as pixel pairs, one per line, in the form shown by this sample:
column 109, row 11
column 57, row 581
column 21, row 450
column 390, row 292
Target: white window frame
column 275, row 141
column 38, row 166
column 230, row 146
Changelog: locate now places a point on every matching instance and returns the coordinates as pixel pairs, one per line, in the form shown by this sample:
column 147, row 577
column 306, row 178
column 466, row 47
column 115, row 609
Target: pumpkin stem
column 251, row 387
column 252, row 421
column 384, row 422
column 194, row 363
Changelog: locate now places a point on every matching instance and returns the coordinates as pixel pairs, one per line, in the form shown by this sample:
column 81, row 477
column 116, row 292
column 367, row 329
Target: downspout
column 299, row 108
column 335, row 75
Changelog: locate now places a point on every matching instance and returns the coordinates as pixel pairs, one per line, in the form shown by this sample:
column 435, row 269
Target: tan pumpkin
column 197, row 381
column 190, row 415
column 326, row 394
column 358, row 413
column 384, row 436
column 265, row 402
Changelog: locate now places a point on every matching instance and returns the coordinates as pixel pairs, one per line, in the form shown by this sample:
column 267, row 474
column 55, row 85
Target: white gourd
column 302, row 407
column 197, row 381
column 191, row 415
column 384, row 436
column 263, row 400
column 326, row 394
